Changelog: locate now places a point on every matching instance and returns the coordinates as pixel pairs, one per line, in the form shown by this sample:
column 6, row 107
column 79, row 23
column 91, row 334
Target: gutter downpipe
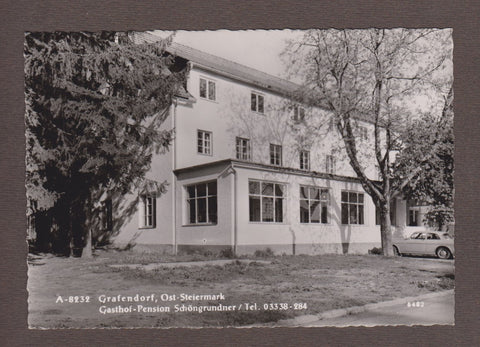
column 174, row 179
column 234, row 211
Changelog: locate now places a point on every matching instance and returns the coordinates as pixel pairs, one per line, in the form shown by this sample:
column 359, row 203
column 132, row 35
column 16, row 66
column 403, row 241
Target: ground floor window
column 148, row 211
column 314, row 205
column 414, row 217
column 202, row 203
column 266, row 201
column 352, row 208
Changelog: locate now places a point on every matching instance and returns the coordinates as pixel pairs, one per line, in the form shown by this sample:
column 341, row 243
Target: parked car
column 430, row 243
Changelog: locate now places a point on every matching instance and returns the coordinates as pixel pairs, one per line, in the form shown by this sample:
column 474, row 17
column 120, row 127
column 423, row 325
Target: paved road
column 436, row 310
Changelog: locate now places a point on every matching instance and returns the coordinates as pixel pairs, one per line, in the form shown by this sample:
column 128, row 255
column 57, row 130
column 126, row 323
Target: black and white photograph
column 248, row 178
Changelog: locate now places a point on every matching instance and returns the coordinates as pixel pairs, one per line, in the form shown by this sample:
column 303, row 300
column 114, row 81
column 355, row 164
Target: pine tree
column 94, row 106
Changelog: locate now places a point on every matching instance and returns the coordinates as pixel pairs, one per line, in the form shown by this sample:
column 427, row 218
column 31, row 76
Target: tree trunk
column 87, row 223
column 386, row 229
column 87, row 250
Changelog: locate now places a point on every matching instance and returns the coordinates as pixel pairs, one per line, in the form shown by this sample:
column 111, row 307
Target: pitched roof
column 273, row 168
column 226, row 67
column 244, row 73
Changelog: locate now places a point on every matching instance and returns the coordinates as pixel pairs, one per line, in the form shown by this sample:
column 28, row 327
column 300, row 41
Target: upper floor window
column 243, row 148
column 202, row 203
column 352, row 208
column 330, row 164
column 362, row 133
column 257, row 102
column 331, row 123
column 148, row 211
column 276, row 155
column 266, row 201
column 204, row 142
column 305, row 160
column 298, row 113
column 207, row 89
column 314, row 205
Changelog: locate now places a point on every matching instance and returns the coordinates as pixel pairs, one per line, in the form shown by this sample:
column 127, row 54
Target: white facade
column 223, row 150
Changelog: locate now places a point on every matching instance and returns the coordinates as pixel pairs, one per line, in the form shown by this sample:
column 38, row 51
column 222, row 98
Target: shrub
column 226, row 253
column 264, row 253
column 375, row 250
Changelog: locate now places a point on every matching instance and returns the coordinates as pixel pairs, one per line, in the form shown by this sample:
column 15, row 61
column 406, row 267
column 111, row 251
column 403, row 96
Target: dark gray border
column 21, row 15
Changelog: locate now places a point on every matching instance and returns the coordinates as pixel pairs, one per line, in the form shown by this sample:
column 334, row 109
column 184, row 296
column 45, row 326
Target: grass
column 321, row 282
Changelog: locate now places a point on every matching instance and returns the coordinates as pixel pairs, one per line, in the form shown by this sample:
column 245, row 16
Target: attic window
column 207, row 89
column 257, row 102
column 298, row 113
column 362, row 133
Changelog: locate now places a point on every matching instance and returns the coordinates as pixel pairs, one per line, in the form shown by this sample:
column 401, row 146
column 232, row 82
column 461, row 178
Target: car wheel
column 443, row 253
column 396, row 252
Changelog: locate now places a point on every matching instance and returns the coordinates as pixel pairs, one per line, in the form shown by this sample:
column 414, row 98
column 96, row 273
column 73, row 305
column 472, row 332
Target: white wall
column 291, row 230
column 230, row 116
column 162, row 234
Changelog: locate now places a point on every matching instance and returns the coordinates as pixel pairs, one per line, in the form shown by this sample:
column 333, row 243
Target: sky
column 259, row 49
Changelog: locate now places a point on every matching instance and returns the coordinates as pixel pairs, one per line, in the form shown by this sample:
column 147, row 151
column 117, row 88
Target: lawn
column 299, row 285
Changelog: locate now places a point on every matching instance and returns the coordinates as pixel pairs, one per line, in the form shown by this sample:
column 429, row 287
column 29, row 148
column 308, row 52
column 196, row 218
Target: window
column 204, row 142
column 331, row 124
column 314, row 205
column 275, row 154
column 243, row 148
column 107, row 220
column 257, row 102
column 414, row 217
column 362, row 133
column 202, row 203
column 330, row 164
column 148, row 211
column 266, row 201
column 207, row 89
column 305, row 160
column 352, row 208
column 298, row 113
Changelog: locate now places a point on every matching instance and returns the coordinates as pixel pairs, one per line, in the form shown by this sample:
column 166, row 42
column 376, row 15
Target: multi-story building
column 250, row 169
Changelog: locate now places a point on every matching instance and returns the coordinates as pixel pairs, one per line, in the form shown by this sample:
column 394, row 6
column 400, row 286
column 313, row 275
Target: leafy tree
column 374, row 75
column 94, row 106
column 433, row 185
